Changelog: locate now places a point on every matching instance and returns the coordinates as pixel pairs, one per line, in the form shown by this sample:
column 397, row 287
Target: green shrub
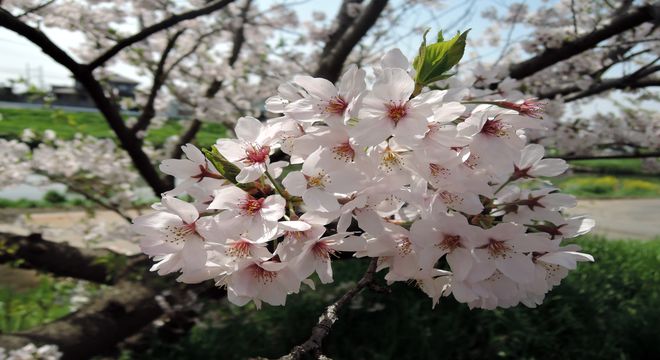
column 54, row 197
column 606, row 310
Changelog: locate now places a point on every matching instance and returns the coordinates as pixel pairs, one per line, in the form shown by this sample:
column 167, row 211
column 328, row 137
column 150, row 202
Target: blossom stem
column 277, row 185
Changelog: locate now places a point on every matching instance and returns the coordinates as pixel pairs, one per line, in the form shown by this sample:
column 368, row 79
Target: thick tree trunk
column 118, row 313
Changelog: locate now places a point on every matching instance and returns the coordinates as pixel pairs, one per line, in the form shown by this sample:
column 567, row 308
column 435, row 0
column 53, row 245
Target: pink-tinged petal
column 517, row 267
column 179, row 168
column 250, row 173
column 302, row 110
column 549, row 168
column 352, row 82
column 372, row 131
column 370, row 222
column 324, row 270
column 394, row 58
column 194, row 254
column 273, row 293
column 344, row 181
column 248, row 129
column 530, row 155
column 273, row 208
column 153, row 222
column 304, row 264
column 411, row 127
column 243, row 282
column 295, row 225
column 460, row 261
column 235, row 298
column 351, row 243
column 567, row 259
column 186, row 211
column 319, row 200
column 317, row 87
column 295, row 183
column 394, row 85
column 424, row 234
column 227, row 197
column 194, row 154
column 462, row 292
column 231, row 149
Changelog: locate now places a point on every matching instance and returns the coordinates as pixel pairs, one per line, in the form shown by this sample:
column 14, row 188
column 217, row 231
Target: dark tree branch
column 118, row 313
column 60, row 259
column 621, row 156
column 330, row 316
column 633, row 81
column 237, row 45
column 110, row 112
column 188, row 135
column 36, row 8
column 148, row 31
column 570, row 48
column 148, row 111
column 330, row 66
column 341, row 23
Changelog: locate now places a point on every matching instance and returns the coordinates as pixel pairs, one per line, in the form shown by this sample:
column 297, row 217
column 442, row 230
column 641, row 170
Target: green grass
column 67, row 124
column 597, row 186
column 614, row 166
column 24, row 307
column 606, row 310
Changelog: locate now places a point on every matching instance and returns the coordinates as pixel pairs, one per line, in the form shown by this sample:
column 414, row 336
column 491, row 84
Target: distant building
column 76, row 95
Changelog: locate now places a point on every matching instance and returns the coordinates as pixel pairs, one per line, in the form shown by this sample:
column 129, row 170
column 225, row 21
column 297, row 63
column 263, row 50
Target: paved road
column 623, row 218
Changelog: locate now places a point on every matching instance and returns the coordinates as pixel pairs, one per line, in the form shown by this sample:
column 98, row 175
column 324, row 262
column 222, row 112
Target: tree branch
column 118, row 313
column 60, row 259
column 622, row 156
column 36, row 8
column 331, row 65
column 215, row 86
column 570, row 48
column 148, row 111
column 329, row 317
column 148, row 31
column 110, row 112
column 633, row 81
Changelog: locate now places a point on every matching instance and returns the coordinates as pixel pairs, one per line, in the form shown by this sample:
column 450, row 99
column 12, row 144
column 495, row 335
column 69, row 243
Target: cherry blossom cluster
column 442, row 190
column 13, row 162
column 31, row 351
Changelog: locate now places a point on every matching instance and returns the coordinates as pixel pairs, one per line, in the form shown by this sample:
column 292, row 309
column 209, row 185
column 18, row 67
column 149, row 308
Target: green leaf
column 435, row 60
column 228, row 170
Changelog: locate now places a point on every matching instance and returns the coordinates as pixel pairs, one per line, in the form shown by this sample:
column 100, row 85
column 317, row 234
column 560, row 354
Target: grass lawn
column 67, row 124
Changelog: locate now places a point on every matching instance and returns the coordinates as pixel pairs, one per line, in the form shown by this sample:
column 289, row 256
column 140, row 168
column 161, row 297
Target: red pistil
column 337, row 105
column 204, row 172
column 262, row 275
column 344, row 151
column 530, row 107
column 449, row 242
column 396, row 111
column 493, row 128
column 256, row 155
column 322, row 251
column 251, row 205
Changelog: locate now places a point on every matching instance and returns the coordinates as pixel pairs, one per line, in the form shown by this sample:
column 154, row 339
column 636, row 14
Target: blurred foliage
column 609, row 186
column 606, row 310
column 614, row 166
column 67, row 124
column 28, row 300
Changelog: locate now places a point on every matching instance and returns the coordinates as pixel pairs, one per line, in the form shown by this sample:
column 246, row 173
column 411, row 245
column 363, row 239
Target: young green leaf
column 435, row 60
